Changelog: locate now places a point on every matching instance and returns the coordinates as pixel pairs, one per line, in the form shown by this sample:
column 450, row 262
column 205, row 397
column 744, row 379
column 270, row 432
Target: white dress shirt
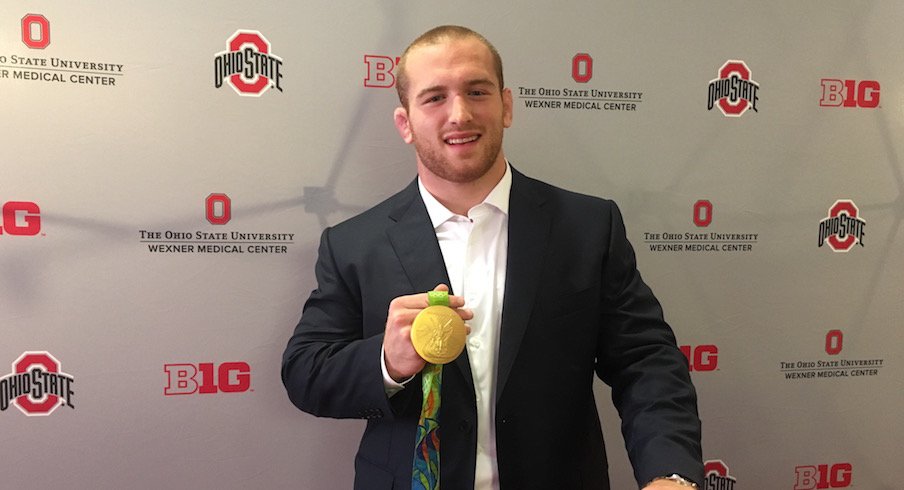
column 474, row 249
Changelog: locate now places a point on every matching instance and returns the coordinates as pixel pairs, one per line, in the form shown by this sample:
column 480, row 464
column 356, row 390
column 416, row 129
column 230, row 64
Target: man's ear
column 507, row 108
column 402, row 124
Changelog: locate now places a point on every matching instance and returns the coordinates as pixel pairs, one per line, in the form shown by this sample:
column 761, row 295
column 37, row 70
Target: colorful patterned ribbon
column 425, row 474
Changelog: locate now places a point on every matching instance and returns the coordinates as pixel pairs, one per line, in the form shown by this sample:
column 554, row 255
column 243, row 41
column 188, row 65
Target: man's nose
column 461, row 110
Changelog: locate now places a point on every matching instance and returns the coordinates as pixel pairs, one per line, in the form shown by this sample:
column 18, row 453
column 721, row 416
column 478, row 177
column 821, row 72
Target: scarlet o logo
column 725, row 72
column 582, row 68
column 703, row 213
column 834, row 339
column 235, row 44
column 843, row 207
column 219, row 209
column 22, row 365
column 715, row 467
column 32, row 23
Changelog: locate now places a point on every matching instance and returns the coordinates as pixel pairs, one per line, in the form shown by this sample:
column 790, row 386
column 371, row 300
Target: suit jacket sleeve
column 638, row 357
column 330, row 368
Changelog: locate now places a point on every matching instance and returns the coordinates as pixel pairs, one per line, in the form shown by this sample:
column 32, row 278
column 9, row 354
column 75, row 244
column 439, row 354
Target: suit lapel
column 414, row 241
column 528, row 236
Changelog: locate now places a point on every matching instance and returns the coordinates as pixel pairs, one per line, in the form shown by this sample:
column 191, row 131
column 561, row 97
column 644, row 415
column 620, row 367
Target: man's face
column 456, row 110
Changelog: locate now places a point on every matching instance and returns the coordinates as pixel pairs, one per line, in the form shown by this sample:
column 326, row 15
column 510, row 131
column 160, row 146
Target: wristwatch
column 675, row 477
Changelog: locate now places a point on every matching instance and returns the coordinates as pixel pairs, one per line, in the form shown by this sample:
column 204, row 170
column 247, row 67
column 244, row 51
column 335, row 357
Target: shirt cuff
column 390, row 385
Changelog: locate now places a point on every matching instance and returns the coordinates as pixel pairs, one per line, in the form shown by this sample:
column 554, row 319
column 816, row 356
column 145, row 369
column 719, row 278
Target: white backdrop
column 796, row 348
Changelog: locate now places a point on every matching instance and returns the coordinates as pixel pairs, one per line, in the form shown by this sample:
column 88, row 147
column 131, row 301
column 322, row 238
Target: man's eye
column 435, row 98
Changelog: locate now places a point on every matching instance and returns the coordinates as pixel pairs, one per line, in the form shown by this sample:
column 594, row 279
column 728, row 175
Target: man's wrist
column 390, row 385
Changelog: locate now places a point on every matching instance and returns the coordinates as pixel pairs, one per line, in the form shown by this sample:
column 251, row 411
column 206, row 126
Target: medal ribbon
column 425, row 475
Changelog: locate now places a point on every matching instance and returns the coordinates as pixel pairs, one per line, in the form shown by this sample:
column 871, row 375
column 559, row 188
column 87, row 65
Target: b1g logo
column 36, row 386
column 207, row 378
column 35, row 31
column 716, row 476
column 734, row 91
column 701, row 357
column 247, row 65
column 218, row 208
column 838, row 475
column 843, row 227
column 20, row 218
column 380, row 71
column 703, row 213
column 849, row 93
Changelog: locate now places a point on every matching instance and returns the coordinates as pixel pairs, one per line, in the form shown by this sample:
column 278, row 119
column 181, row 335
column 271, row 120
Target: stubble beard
column 437, row 163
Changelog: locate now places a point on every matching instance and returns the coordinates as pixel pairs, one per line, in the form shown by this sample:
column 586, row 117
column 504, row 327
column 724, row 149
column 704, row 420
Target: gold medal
column 438, row 333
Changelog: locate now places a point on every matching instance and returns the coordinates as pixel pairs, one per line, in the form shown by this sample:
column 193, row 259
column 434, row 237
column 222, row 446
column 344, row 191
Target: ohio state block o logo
column 48, row 403
column 734, row 91
column 247, row 65
column 837, row 209
column 843, row 228
column 235, row 43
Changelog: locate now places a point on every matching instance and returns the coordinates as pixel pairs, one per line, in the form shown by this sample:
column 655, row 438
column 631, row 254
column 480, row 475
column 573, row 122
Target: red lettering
column 242, row 378
column 228, row 377
column 868, row 94
column 849, row 93
column 21, row 218
column 849, row 100
column 806, row 478
column 823, row 476
column 379, row 71
column 180, row 379
column 208, row 382
column 832, row 93
column 702, row 357
column 841, row 475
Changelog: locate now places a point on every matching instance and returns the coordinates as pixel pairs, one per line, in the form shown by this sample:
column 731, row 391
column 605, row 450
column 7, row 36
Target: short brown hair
column 436, row 36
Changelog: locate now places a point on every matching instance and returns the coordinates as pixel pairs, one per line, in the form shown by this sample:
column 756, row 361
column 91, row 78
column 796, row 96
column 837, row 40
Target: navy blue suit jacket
column 574, row 306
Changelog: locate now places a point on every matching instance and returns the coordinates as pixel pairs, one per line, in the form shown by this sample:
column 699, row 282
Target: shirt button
column 475, row 344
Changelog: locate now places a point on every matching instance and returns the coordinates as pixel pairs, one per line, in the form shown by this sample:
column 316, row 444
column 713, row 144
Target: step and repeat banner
column 167, row 169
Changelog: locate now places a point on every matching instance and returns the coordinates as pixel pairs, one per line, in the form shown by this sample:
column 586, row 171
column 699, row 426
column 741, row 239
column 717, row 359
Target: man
column 546, row 279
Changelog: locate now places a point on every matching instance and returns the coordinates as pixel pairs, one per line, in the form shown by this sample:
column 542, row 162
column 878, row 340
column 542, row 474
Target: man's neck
column 460, row 197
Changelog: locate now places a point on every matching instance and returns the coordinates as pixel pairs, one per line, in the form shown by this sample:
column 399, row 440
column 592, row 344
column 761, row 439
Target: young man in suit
column 545, row 278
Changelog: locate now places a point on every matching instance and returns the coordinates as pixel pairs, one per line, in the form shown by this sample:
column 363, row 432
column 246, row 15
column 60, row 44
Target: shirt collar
column 498, row 198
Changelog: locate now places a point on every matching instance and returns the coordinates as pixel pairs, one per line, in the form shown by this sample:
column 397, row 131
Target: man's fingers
column 465, row 313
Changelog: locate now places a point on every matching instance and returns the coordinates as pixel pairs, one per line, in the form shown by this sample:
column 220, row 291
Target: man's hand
column 402, row 361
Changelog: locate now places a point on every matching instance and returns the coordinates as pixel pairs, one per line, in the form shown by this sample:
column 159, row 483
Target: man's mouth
column 462, row 141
